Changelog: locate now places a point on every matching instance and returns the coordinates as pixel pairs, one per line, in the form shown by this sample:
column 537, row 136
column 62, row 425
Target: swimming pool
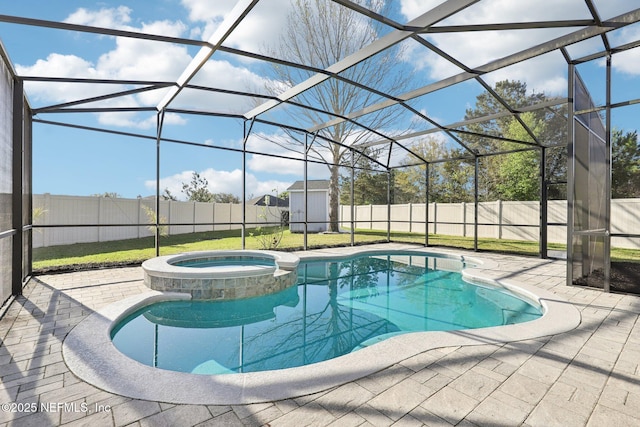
column 90, row 354
column 339, row 306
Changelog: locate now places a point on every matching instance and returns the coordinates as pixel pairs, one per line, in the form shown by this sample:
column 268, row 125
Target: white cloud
column 418, row 120
column 480, row 50
column 262, row 26
column 277, row 144
column 120, row 18
column 257, row 187
column 221, row 182
column 275, row 165
column 203, row 10
column 611, row 8
column 131, row 59
column 60, row 65
column 222, row 75
column 413, row 8
column 135, row 120
column 627, row 61
column 136, row 59
column 546, row 73
column 57, row 65
column 106, row 17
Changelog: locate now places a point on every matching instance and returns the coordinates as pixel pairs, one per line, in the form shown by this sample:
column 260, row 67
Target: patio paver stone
column 586, row 377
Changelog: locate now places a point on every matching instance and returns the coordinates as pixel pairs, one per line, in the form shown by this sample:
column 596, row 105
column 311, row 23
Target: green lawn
column 134, row 251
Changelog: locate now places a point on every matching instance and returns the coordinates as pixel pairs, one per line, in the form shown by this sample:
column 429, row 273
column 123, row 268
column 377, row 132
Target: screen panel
column 6, row 179
column 590, row 169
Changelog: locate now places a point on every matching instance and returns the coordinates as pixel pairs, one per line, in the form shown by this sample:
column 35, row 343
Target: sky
column 77, row 162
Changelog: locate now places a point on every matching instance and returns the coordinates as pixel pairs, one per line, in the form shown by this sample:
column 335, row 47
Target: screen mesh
column 6, row 180
column 590, row 169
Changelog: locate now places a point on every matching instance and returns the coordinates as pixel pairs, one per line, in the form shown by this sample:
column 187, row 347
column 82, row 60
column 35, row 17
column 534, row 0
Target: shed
column 317, row 202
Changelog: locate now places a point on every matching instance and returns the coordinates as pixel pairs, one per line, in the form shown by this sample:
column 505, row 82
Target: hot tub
column 222, row 275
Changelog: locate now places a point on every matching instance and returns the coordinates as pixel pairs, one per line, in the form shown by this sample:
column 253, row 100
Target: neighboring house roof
column 273, row 201
column 312, row 184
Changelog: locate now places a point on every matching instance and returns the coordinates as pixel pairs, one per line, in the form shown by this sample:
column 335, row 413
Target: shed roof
column 312, row 185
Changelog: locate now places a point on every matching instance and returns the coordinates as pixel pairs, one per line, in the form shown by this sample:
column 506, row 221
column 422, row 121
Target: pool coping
column 90, row 354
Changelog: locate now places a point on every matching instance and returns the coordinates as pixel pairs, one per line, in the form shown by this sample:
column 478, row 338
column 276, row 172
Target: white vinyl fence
column 499, row 219
column 502, row 220
column 90, row 211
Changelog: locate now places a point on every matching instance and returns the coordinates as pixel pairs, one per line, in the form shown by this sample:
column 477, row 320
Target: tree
column 110, row 194
column 519, row 176
column 284, row 195
column 151, row 219
column 500, row 174
column 198, row 189
column 369, row 185
column 269, row 236
column 319, row 34
column 625, row 174
column 519, row 173
column 455, row 179
column 448, row 181
column 225, row 198
column 514, row 93
column 168, row 196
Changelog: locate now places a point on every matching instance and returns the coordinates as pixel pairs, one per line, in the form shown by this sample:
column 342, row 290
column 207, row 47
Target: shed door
column 317, row 202
column 318, row 214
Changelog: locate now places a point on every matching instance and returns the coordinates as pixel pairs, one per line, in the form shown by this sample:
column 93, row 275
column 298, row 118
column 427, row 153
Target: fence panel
column 557, row 214
column 378, row 217
column 488, row 213
column 364, row 217
column 417, row 218
column 203, row 213
column 119, row 211
column 345, row 216
column 450, row 218
column 235, row 215
column 181, row 213
column 268, row 215
column 520, row 220
column 400, row 215
column 625, row 219
column 222, row 215
column 61, row 210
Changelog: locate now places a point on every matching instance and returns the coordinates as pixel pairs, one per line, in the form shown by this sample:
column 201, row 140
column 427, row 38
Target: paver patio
column 588, row 376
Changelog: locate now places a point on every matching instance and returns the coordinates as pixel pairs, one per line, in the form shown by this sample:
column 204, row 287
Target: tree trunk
column 334, row 199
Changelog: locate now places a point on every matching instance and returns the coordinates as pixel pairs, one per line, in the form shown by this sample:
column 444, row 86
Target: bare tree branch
column 320, row 33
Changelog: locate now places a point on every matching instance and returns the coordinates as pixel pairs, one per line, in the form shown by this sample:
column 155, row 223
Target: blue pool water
column 225, row 261
column 338, row 307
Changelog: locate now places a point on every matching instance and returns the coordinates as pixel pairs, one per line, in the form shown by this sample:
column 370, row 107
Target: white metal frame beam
column 231, row 21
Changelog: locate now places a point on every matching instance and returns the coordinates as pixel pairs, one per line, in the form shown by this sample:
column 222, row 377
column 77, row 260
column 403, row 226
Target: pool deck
column 588, row 376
